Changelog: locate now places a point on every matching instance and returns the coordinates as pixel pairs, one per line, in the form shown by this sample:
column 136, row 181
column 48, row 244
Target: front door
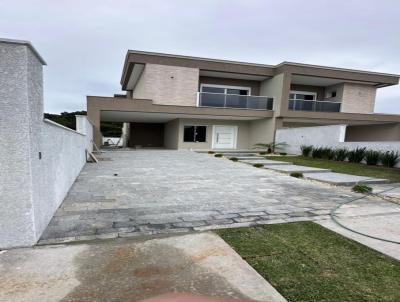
column 224, row 137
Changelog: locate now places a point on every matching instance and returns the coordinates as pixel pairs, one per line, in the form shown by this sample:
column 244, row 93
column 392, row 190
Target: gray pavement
column 375, row 218
column 340, row 179
column 130, row 270
column 152, row 192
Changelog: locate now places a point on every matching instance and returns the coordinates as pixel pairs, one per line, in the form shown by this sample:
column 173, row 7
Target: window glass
column 194, row 134
column 200, row 134
column 308, row 97
column 237, row 91
column 212, row 89
column 188, row 135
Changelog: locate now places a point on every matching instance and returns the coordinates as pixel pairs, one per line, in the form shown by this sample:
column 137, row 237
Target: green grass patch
column 296, row 174
column 234, row 159
column 361, row 189
column 392, row 174
column 218, row 155
column 306, row 262
column 258, row 165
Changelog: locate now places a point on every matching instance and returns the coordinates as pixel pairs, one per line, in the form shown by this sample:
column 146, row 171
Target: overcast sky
column 84, row 42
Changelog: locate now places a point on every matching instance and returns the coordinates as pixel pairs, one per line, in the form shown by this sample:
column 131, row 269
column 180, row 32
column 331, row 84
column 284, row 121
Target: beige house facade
column 180, row 102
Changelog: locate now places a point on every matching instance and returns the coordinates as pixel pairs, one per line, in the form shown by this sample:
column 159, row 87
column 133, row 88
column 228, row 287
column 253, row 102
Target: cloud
column 84, row 42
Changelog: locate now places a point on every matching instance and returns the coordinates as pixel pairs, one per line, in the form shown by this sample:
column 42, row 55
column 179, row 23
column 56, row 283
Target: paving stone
column 246, row 219
column 266, row 162
column 158, row 187
column 252, row 214
column 189, row 224
column 296, row 168
column 341, row 179
column 220, row 221
column 225, row 216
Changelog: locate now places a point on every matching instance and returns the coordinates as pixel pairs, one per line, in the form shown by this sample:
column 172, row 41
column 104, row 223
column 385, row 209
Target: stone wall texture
column 358, row 98
column 168, row 85
column 39, row 159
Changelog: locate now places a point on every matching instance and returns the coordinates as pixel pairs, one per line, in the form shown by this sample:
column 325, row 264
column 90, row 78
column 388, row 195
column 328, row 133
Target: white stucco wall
column 327, row 136
column 39, row 159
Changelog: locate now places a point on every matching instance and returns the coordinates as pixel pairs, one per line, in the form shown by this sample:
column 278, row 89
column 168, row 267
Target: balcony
column 314, row 105
column 222, row 100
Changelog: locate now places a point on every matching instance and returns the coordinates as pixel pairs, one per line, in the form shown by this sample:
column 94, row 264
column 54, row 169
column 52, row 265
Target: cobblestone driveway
column 145, row 192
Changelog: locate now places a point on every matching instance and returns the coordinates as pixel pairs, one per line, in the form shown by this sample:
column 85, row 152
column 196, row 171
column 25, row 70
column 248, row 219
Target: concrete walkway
column 126, row 270
column 375, row 218
column 317, row 174
column 132, row 193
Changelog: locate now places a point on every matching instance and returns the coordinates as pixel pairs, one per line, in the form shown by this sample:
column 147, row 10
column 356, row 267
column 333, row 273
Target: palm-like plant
column 269, row 147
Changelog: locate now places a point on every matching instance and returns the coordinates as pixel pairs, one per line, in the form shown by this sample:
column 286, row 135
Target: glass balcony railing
column 318, row 106
column 222, row 100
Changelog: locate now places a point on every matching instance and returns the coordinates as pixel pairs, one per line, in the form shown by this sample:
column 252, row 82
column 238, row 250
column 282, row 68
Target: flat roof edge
column 26, row 43
column 198, row 58
column 338, row 69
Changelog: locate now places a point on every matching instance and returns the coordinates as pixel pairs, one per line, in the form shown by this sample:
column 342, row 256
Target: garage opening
column 146, row 135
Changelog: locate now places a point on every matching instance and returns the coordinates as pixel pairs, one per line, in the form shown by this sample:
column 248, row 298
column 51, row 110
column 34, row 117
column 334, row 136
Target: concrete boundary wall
column 327, row 136
column 39, row 159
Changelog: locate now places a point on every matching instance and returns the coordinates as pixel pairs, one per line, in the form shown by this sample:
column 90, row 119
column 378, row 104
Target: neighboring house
column 182, row 102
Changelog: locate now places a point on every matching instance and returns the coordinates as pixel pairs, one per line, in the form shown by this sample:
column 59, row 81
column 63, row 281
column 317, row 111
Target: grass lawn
column 343, row 167
column 306, row 262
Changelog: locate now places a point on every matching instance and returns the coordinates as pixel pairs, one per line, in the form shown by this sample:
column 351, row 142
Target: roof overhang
column 134, row 76
column 218, row 67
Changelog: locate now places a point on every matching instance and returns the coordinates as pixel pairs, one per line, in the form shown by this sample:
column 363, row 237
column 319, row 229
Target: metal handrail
column 226, row 95
column 314, row 103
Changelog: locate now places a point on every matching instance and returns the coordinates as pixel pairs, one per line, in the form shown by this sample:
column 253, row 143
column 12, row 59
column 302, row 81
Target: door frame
column 235, row 134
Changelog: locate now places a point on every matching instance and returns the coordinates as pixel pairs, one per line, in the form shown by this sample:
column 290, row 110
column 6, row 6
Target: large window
column 225, row 89
column 194, row 134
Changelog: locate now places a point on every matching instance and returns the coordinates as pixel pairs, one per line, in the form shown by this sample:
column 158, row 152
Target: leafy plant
column 306, row 150
column 211, row 152
column 361, row 189
column 340, row 154
column 258, row 165
column 327, row 153
column 296, row 174
column 269, row 147
column 356, row 155
column 218, row 155
column 262, row 153
column 316, row 152
column 372, row 157
column 234, row 159
column 389, row 158
column 283, row 153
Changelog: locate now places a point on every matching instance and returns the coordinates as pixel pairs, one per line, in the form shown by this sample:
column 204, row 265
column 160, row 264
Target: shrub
column 340, row 154
column 327, row 153
column 283, row 153
column 262, row 153
column 258, row 165
column 296, row 174
column 211, row 152
column 357, row 155
column 389, row 158
column 361, row 189
column 306, row 150
column 372, row 157
column 218, row 155
column 234, row 159
column 316, row 152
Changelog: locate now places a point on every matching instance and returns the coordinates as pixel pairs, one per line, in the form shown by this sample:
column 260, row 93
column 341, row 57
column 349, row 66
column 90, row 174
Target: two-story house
column 181, row 102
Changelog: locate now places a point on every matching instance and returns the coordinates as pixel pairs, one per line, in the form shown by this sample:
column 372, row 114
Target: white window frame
column 236, row 131
column 305, row 93
column 224, row 87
